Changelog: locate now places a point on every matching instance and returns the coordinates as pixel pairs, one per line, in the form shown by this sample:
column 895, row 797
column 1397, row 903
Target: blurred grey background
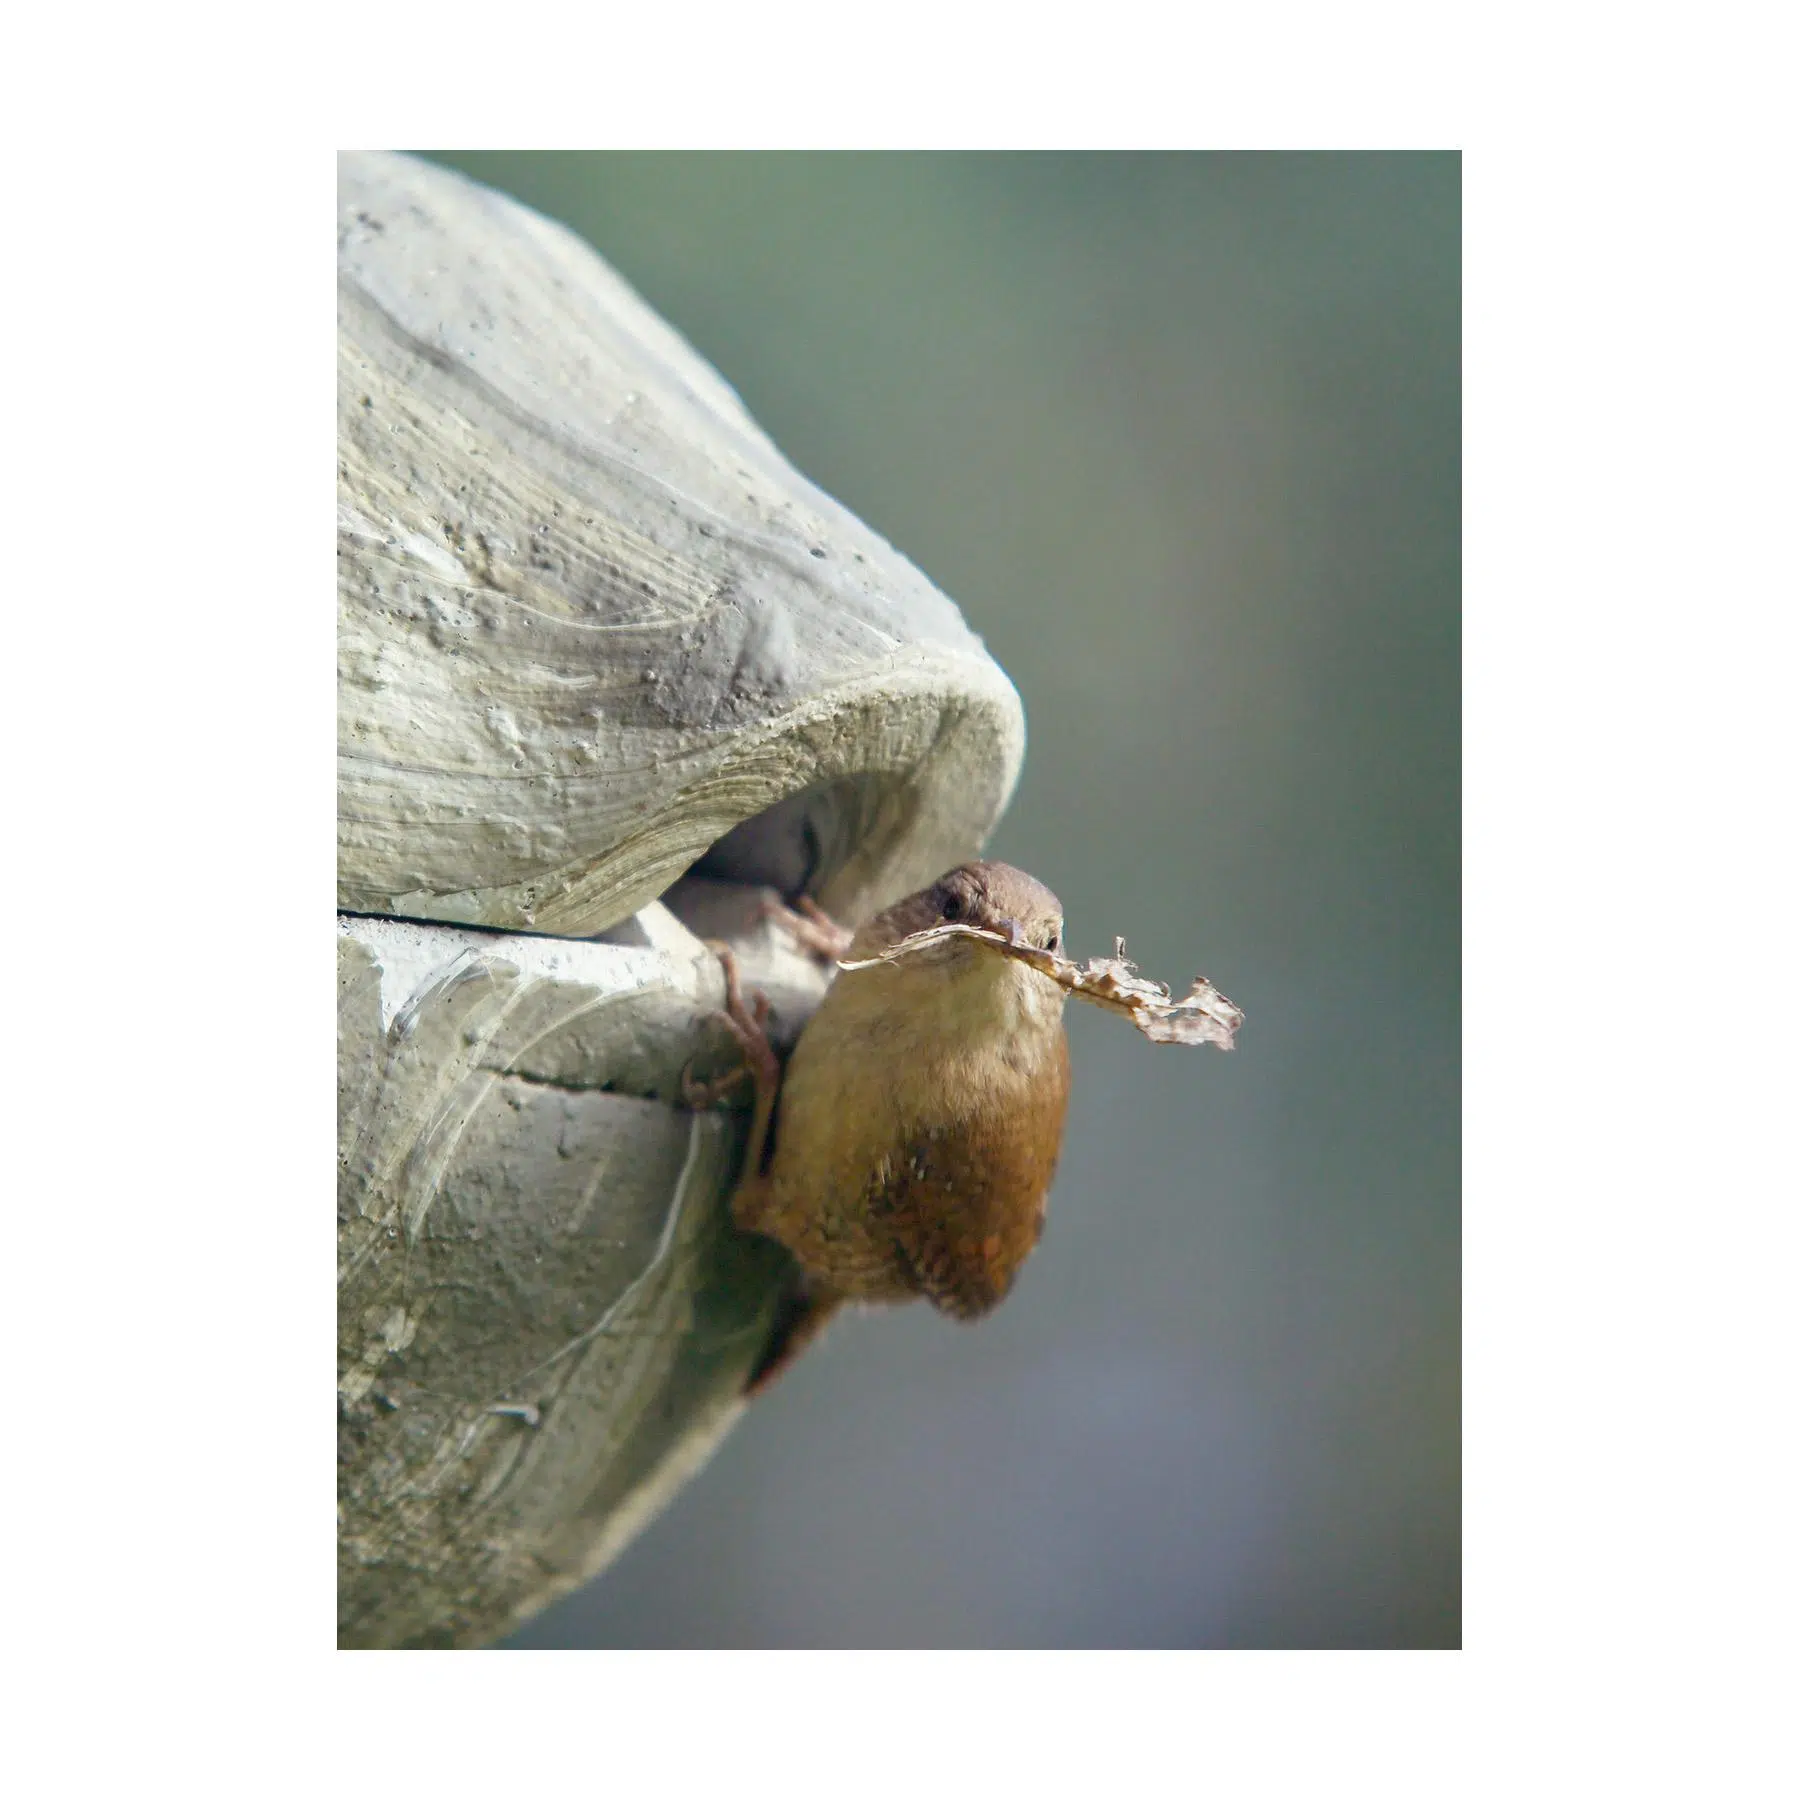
column 1181, row 435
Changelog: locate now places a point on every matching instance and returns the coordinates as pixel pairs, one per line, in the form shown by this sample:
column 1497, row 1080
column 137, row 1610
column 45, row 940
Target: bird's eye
column 952, row 907
column 1055, row 943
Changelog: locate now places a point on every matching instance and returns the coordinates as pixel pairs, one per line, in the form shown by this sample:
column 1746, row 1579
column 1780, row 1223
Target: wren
column 909, row 1147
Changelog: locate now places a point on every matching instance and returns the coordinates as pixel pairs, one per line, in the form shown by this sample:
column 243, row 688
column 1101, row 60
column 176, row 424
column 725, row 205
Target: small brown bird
column 909, row 1148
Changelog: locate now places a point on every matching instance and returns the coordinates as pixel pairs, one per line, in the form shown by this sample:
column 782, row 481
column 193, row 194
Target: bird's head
column 993, row 896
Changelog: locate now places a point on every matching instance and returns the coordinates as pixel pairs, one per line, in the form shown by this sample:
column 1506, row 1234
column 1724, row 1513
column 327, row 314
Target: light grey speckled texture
column 590, row 619
column 545, row 1318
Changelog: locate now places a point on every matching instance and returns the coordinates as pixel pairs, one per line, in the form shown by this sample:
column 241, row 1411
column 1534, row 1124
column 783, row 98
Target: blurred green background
column 1181, row 435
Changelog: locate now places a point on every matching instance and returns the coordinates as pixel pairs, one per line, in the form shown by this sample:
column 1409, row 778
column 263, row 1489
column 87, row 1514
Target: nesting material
column 1201, row 1016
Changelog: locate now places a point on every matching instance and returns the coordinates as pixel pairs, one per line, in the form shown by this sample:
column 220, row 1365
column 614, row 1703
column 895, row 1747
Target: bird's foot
column 810, row 926
column 748, row 1024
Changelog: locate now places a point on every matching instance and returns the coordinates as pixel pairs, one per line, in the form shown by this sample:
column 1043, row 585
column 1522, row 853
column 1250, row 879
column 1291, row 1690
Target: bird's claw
column 702, row 1096
column 748, row 1024
column 810, row 926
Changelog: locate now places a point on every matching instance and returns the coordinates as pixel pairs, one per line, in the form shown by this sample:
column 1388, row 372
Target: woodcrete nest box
column 609, row 668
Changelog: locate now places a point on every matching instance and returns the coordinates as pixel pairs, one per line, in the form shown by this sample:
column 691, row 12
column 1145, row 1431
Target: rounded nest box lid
column 594, row 628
